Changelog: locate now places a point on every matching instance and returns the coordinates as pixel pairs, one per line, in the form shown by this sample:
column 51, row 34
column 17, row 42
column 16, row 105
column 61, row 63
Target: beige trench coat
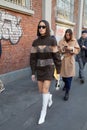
column 68, row 61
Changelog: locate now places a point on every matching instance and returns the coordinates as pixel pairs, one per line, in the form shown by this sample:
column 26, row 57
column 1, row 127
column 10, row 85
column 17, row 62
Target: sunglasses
column 43, row 27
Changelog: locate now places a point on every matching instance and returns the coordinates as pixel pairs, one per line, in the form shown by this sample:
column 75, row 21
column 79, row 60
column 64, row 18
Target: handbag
column 57, row 77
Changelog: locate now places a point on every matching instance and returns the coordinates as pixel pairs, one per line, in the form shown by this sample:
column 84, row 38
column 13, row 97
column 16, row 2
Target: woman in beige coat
column 68, row 48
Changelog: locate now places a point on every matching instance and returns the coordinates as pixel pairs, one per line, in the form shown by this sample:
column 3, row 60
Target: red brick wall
column 16, row 57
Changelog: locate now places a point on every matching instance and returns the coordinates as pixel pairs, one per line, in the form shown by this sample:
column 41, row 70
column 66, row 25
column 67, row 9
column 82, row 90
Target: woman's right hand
column 33, row 78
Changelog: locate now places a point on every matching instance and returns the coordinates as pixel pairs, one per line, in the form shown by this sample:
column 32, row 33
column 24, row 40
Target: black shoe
column 64, row 88
column 66, row 97
column 82, row 81
column 57, row 86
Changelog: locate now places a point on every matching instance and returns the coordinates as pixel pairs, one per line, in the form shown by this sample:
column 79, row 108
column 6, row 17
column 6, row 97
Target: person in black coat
column 81, row 58
column 1, row 83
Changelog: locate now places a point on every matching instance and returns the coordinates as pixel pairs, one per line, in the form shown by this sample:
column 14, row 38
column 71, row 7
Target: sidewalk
column 20, row 105
column 17, row 97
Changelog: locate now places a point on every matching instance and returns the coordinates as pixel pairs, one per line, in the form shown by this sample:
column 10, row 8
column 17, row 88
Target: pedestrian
column 1, row 83
column 68, row 47
column 44, row 54
column 81, row 58
column 2, row 88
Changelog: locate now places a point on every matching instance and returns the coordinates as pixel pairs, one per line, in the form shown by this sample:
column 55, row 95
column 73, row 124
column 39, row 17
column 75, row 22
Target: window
column 20, row 3
column 24, row 6
column 65, row 9
column 85, row 13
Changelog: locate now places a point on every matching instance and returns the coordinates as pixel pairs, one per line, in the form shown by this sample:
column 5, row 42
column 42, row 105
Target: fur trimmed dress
column 44, row 55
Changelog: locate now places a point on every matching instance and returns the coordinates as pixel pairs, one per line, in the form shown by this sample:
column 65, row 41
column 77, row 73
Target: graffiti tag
column 9, row 27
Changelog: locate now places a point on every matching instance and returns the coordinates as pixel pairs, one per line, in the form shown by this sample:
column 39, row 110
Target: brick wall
column 15, row 57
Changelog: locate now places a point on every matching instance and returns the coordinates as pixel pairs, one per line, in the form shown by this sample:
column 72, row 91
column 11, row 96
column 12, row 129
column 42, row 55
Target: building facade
column 18, row 28
column 71, row 14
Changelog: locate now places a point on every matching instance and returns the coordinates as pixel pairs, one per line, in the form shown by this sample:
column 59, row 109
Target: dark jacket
column 83, row 52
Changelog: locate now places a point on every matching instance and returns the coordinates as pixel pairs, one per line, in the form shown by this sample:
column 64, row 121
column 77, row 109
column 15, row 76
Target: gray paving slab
column 20, row 106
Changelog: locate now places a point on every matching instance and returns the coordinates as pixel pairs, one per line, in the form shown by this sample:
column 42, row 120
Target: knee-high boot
column 50, row 102
column 44, row 108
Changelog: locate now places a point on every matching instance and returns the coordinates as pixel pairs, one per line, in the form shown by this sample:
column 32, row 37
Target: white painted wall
column 79, row 29
column 47, row 10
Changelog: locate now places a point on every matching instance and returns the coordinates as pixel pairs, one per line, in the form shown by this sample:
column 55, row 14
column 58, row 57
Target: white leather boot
column 44, row 108
column 50, row 102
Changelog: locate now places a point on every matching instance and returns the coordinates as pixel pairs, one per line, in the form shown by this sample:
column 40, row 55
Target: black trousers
column 67, row 81
column 81, row 62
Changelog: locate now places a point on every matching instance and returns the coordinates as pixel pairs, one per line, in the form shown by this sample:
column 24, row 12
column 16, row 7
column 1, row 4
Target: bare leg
column 40, row 86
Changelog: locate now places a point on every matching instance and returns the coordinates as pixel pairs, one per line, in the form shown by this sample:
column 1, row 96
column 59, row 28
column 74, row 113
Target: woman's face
column 42, row 28
column 68, row 36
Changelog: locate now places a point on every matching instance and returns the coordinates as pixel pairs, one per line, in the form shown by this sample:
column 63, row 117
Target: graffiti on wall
column 10, row 28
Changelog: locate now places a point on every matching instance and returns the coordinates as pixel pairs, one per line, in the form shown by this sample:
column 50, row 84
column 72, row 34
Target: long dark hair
column 70, row 33
column 47, row 28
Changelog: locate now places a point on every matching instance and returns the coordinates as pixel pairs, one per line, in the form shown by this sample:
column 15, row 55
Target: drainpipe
column 80, row 14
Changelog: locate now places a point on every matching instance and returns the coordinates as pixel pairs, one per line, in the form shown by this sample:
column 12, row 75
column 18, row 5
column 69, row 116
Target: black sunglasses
column 43, row 27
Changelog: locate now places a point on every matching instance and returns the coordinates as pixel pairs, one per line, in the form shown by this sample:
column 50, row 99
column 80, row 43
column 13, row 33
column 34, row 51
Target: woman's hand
column 33, row 78
column 69, row 49
column 84, row 47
